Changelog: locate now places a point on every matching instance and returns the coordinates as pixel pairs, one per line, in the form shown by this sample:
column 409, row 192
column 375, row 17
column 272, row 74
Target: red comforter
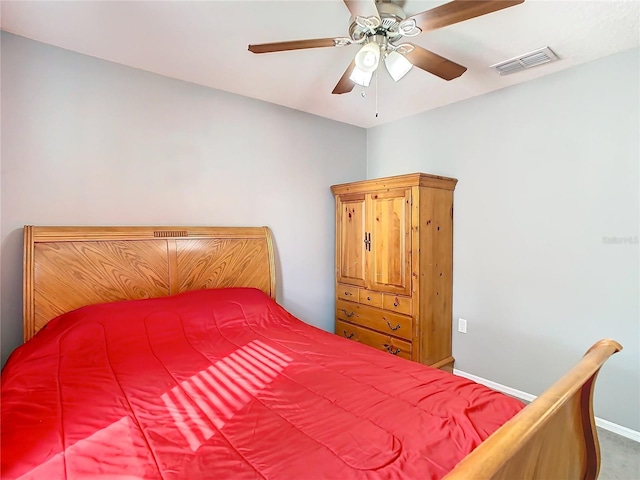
column 227, row 384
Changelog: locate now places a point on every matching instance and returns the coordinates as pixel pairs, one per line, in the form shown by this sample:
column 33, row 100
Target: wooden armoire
column 394, row 265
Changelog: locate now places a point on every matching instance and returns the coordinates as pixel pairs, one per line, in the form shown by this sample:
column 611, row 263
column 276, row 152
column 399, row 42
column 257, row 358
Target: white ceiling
column 206, row 43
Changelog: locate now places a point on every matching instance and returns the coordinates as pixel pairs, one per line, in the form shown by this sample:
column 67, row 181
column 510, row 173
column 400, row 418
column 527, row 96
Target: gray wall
column 88, row 142
column 548, row 175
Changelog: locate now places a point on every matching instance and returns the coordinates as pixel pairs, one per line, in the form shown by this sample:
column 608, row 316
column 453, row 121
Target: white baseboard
column 618, row 429
column 606, row 424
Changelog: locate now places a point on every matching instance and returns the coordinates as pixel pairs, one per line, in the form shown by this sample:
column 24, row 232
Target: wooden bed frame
column 65, row 268
column 69, row 267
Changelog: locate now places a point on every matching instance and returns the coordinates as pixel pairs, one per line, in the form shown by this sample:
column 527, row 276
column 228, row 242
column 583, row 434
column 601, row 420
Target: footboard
column 553, row 437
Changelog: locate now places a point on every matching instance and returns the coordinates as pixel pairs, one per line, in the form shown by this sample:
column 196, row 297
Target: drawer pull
column 369, row 298
column 348, row 314
column 393, row 328
column 349, row 335
column 395, row 303
column 347, row 293
column 391, row 350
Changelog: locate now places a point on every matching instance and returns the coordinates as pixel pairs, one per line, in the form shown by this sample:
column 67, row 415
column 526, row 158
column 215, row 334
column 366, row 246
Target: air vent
column 528, row 60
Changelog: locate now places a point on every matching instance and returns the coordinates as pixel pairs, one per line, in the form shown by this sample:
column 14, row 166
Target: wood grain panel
column 217, row 263
column 436, row 274
column 350, row 241
column 390, row 227
column 69, row 275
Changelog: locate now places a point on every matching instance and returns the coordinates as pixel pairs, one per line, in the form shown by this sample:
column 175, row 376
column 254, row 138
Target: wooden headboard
column 69, row 267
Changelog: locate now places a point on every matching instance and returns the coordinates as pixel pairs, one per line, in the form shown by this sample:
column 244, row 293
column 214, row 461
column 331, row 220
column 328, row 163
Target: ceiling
column 206, row 43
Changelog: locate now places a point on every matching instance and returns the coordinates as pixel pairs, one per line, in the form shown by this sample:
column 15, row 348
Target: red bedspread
column 227, row 384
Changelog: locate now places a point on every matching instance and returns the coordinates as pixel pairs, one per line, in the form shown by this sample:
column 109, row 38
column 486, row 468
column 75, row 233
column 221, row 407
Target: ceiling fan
column 380, row 27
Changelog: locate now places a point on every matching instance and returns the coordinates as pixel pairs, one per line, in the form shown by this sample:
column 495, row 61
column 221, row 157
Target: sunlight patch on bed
column 213, row 395
column 95, row 451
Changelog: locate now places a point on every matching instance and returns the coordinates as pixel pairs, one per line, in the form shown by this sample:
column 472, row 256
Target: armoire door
column 389, row 224
column 350, row 239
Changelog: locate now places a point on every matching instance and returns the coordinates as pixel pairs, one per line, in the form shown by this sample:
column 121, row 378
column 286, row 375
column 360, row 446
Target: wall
column 548, row 175
column 548, row 183
column 88, row 142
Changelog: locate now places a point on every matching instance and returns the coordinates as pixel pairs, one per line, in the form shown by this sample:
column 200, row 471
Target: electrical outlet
column 462, row 325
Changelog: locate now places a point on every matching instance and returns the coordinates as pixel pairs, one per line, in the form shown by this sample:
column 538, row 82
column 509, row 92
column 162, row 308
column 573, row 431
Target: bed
column 160, row 352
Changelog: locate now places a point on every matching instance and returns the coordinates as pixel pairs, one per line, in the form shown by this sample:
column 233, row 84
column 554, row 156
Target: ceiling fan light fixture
column 378, row 25
column 361, row 77
column 368, row 57
column 397, row 65
column 409, row 28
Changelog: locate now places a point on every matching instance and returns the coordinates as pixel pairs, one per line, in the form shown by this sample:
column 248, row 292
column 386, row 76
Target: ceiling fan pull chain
column 376, row 93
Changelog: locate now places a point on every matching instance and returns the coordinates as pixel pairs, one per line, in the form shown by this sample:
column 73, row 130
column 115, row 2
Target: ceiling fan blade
column 362, row 8
column 458, row 11
column 345, row 84
column 294, row 45
column 432, row 63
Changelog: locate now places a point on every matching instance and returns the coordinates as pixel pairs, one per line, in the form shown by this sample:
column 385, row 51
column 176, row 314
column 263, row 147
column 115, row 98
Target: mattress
column 227, row 384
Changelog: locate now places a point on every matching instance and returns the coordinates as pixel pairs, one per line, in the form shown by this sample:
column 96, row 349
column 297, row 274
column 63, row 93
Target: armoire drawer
column 367, row 297
column 347, row 292
column 381, row 320
column 396, row 303
column 374, row 339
